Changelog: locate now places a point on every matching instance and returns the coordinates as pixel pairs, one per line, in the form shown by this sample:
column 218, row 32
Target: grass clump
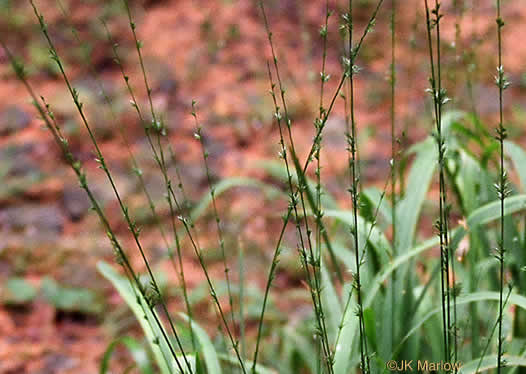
column 371, row 283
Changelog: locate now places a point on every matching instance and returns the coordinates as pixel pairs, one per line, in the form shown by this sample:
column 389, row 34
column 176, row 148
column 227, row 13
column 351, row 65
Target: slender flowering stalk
column 301, row 171
column 277, row 249
column 393, row 122
column 324, row 78
column 319, row 124
column 305, row 246
column 502, row 186
column 458, row 11
column 101, row 161
column 158, row 156
column 307, row 259
column 490, row 337
column 362, row 251
column 433, row 92
column 329, row 109
column 242, row 323
column 471, row 61
column 174, row 204
column 393, row 162
column 199, row 136
column 135, row 165
column 152, row 294
column 458, row 6
column 136, row 169
column 439, row 100
column 189, row 227
column 354, row 191
column 180, row 184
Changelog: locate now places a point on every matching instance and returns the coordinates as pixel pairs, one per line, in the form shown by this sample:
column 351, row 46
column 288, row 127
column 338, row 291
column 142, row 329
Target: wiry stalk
column 277, row 249
column 432, row 91
column 328, row 111
column 174, row 204
column 152, row 295
column 301, row 171
column 467, row 60
column 241, row 271
column 180, row 185
column 135, row 165
column 199, row 136
column 451, row 292
column 393, row 162
column 502, row 187
column 354, row 192
column 101, row 161
column 324, row 77
column 158, row 155
column 439, row 100
column 305, row 246
column 490, row 337
column 362, row 251
column 471, row 63
column 270, row 278
column 308, row 260
column 468, row 55
column 189, row 227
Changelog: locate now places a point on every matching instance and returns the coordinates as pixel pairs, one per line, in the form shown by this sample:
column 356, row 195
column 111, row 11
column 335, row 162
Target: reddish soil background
column 214, row 52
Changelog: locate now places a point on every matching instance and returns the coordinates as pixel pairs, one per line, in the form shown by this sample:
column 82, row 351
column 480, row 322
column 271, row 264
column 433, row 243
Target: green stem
column 198, row 134
column 502, row 84
column 393, row 164
column 50, row 122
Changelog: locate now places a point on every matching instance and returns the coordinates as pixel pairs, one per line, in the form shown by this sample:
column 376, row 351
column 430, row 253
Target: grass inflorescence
column 502, row 186
column 364, row 268
column 439, row 95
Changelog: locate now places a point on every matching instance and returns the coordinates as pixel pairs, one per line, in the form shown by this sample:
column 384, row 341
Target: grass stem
column 502, row 188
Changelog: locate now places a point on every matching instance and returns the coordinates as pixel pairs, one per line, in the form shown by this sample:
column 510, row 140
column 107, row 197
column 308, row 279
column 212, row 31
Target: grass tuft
column 364, row 268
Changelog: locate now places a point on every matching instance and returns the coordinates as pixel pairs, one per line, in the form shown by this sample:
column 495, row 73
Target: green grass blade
column 344, row 346
column 233, row 360
column 485, row 214
column 152, row 332
column 377, row 238
column 418, row 184
column 408, row 211
column 518, row 157
column 473, row 183
column 332, row 307
column 490, row 362
column 227, row 184
column 370, row 323
column 373, row 198
column 491, row 211
column 303, row 347
column 136, row 351
column 514, row 299
column 208, row 350
column 278, row 170
column 377, row 282
column 344, row 255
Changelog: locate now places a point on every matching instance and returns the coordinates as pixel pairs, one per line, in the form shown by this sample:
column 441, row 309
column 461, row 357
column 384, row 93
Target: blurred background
column 57, row 314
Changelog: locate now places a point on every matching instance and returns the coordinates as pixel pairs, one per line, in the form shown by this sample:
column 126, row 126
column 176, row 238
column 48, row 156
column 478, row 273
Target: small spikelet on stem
column 502, row 186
